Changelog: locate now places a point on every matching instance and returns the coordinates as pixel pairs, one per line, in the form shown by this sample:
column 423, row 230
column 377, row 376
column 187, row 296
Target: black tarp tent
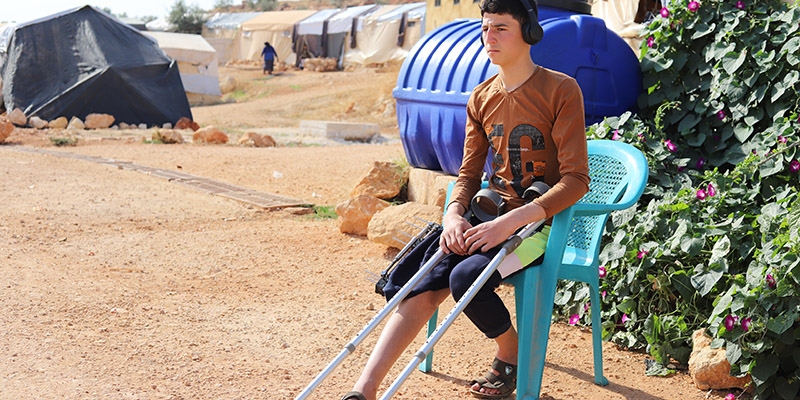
column 84, row 61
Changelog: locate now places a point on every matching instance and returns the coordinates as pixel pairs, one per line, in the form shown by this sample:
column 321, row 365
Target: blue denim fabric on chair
column 618, row 174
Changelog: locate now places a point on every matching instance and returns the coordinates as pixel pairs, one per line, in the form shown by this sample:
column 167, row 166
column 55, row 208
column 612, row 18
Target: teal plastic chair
column 618, row 174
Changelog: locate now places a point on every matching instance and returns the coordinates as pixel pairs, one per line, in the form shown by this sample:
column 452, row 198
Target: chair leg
column 534, row 291
column 597, row 335
column 427, row 364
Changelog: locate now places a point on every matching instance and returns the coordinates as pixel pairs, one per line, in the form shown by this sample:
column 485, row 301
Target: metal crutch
column 509, row 246
column 382, row 314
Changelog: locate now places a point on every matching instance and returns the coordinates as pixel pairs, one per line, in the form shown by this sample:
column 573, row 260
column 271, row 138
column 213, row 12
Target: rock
column 17, row 117
column 393, row 222
column 355, row 213
column 58, row 123
column 76, row 124
column 186, row 123
column 6, row 127
column 384, row 180
column 37, row 122
column 167, row 125
column 99, row 121
column 167, row 136
column 142, row 126
column 710, row 369
column 253, row 139
column 227, row 84
column 210, row 135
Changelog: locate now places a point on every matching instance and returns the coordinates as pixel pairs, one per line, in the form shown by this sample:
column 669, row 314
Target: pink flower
column 616, row 135
column 586, row 306
column 574, row 319
column 794, row 166
column 711, row 190
column 625, row 318
column 664, row 12
column 603, row 295
column 771, row 281
column 730, row 396
column 782, row 139
column 651, row 42
column 701, row 194
column 693, row 6
column 602, row 271
column 740, row 5
column 700, row 163
column 670, row 146
column 721, row 115
column 730, row 322
column 746, row 323
column 641, row 253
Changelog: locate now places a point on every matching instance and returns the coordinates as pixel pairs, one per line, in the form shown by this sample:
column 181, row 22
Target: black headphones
column 532, row 32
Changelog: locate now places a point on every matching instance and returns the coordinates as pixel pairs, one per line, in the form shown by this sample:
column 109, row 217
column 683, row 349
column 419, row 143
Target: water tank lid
column 578, row 6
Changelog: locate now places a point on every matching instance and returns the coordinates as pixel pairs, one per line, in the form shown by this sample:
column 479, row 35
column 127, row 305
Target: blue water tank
column 441, row 70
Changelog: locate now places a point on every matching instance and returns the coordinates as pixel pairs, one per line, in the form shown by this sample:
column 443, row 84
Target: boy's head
column 525, row 12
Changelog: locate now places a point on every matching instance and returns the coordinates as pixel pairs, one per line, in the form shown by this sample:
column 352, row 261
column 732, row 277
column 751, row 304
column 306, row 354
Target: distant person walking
column 270, row 56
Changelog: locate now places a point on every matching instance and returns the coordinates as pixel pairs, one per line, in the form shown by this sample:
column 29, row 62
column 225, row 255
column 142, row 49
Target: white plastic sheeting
column 197, row 63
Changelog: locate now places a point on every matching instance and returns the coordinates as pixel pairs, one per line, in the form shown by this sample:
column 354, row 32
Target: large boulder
column 354, row 214
column 17, row 117
column 393, row 226
column 99, row 121
column 384, row 180
column 710, row 369
column 6, row 127
column 210, row 135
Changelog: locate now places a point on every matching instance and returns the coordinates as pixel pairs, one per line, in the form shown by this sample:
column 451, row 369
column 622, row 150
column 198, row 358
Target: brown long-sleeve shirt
column 535, row 132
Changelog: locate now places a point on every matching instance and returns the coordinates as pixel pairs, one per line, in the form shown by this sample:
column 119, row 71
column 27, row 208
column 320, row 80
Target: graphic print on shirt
column 523, row 139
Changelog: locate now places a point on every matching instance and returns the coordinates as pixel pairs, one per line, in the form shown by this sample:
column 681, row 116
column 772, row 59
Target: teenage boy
column 530, row 121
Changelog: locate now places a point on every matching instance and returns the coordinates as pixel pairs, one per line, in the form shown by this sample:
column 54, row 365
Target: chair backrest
column 618, row 173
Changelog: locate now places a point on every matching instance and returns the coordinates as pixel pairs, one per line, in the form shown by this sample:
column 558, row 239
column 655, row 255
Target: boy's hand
column 487, row 235
column 452, row 238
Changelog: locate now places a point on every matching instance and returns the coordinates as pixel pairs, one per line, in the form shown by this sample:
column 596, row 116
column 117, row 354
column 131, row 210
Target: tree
column 186, row 19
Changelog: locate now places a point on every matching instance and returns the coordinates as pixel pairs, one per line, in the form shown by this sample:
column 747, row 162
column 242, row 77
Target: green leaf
column 721, row 248
column 765, row 368
column 702, row 29
column 742, row 132
column 733, row 352
column 780, row 323
column 688, row 122
column 705, row 280
column 786, row 389
column 733, row 61
column 681, row 281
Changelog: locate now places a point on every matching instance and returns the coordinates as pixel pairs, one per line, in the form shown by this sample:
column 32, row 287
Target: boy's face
column 502, row 39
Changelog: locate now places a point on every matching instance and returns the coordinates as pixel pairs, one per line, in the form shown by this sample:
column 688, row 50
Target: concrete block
column 339, row 130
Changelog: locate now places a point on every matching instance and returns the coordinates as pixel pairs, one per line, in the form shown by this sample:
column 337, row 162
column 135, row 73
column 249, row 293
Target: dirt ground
column 117, row 284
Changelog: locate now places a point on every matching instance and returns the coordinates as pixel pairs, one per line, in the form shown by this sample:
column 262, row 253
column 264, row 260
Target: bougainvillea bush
column 714, row 241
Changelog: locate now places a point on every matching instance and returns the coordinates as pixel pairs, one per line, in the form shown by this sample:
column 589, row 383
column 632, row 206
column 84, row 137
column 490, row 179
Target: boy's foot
column 498, row 383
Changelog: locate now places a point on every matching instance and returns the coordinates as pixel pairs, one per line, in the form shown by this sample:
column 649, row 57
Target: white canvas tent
column 619, row 17
column 221, row 31
column 339, row 27
column 311, row 34
column 386, row 35
column 197, row 63
column 274, row 27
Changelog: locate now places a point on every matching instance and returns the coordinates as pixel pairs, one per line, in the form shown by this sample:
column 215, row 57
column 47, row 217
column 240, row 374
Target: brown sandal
column 354, row 395
column 505, row 381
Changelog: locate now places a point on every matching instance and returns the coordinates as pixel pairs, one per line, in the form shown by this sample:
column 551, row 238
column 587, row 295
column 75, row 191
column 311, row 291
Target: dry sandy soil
column 117, row 284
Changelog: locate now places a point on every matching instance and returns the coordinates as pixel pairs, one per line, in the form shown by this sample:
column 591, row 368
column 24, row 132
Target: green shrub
column 713, row 242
